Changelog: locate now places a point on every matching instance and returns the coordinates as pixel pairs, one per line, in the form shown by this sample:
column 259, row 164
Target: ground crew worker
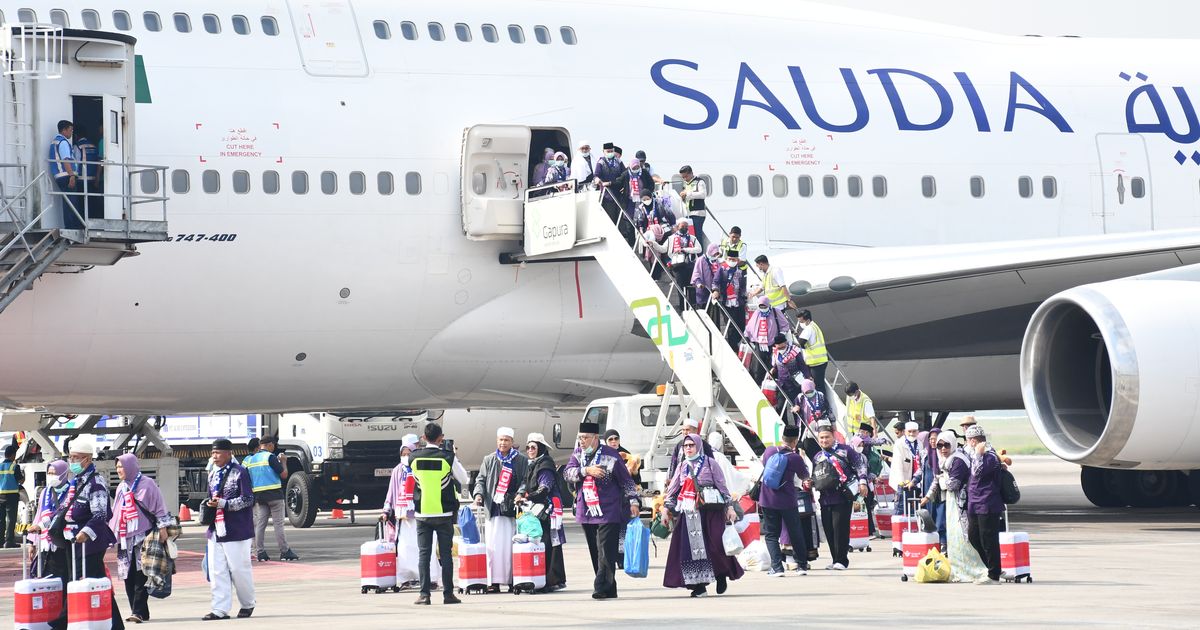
column 500, row 475
column 66, row 174
column 11, row 478
column 266, row 480
column 693, row 194
column 859, row 408
column 87, row 158
column 813, row 342
column 773, row 285
column 439, row 475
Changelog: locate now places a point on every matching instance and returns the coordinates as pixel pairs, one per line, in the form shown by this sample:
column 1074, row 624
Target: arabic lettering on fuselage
column 751, row 91
column 1162, row 124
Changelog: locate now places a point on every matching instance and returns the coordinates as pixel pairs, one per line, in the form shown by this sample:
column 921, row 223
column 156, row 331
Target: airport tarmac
column 1091, row 567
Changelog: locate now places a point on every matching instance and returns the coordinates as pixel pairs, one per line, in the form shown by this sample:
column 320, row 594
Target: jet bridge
column 47, row 225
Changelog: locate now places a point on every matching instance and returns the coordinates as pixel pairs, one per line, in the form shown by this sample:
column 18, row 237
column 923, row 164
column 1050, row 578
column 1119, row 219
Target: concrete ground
column 1091, row 567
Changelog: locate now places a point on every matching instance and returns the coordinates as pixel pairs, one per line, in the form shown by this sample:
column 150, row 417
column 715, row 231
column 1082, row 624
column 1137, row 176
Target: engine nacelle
column 1110, row 372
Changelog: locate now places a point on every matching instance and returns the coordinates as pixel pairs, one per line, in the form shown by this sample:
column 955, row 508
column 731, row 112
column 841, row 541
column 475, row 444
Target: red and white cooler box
column 748, row 528
column 884, row 491
column 89, row 604
column 901, row 524
column 916, row 545
column 377, row 564
column 472, row 565
column 860, row 530
column 37, row 602
column 883, row 521
column 1014, row 554
column 770, row 391
column 529, row 566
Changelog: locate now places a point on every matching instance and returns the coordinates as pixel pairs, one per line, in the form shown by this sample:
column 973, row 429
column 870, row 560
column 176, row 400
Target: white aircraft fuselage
column 347, row 301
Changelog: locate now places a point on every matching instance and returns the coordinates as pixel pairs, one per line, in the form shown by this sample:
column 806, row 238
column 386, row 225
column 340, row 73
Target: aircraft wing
column 892, row 303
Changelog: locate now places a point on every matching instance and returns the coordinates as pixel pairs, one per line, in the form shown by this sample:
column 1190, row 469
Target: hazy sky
column 1096, row 18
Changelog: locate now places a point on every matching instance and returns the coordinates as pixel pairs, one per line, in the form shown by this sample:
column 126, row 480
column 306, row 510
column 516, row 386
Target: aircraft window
column 1137, row 187
column 210, row 181
column 382, row 31
column 212, row 23
column 779, row 185
column 300, row 182
column 270, row 183
column 358, row 183
column 152, row 21
column 754, row 186
column 541, row 34
column 829, row 185
column 804, row 186
column 270, row 27
column 516, row 34
column 435, row 32
column 385, row 183
column 241, row 25
column 1, row 18
column 328, row 182
column 149, row 182
column 183, row 23
column 1025, row 186
column 977, row 187
column 1049, row 187
column 928, row 186
column 677, row 183
column 408, row 30
column 854, row 186
column 26, row 16
column 91, row 19
column 121, row 20
column 180, row 182
column 729, row 185
column 59, row 17
column 463, row 32
column 241, row 182
column 879, row 186
column 412, row 183
column 568, row 35
column 489, row 33
column 707, row 183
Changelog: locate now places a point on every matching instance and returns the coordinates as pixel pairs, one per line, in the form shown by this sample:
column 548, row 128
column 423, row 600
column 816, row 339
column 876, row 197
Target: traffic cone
column 185, row 514
column 337, row 512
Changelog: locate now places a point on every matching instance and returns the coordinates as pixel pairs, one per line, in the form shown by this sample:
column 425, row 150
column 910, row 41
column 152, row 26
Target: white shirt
column 807, row 334
column 581, row 169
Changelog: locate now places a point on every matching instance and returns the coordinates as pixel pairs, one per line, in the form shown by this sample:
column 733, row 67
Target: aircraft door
column 328, row 37
column 114, row 150
column 495, row 162
column 1125, row 181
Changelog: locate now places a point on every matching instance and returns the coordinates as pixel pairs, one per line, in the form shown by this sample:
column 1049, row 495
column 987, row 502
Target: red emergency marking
column 578, row 290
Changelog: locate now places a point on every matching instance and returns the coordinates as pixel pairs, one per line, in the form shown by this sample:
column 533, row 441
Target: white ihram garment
column 500, row 530
column 228, row 569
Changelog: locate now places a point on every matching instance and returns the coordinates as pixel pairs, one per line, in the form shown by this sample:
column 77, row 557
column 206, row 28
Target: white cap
column 85, row 444
column 410, row 440
column 911, row 426
column 539, row 438
column 505, row 432
column 692, row 422
column 683, row 221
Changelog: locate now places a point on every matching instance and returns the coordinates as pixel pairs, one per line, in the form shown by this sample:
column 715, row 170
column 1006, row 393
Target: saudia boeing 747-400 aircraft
column 977, row 221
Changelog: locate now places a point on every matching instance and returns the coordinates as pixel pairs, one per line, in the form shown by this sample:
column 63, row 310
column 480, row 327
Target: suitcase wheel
column 365, row 589
column 868, row 547
column 904, row 578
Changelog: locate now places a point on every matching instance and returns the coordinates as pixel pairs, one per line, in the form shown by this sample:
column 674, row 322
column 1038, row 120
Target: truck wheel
column 300, row 500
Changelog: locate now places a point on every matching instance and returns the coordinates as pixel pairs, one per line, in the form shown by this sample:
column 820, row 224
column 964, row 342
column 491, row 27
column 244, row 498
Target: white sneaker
column 774, row 573
column 985, row 580
column 831, row 567
column 838, row 566
column 800, row 571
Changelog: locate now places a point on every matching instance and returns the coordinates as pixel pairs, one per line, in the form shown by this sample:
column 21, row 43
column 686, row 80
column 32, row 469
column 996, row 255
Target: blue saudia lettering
column 751, row 91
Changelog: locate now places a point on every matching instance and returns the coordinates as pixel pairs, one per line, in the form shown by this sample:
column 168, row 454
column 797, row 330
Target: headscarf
column 59, row 467
column 699, row 442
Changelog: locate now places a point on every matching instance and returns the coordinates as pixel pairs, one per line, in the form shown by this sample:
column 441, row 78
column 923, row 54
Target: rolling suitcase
column 902, row 523
column 89, row 600
column 472, row 567
column 914, row 542
column 377, row 562
column 36, row 601
column 1014, row 555
column 529, row 567
column 860, row 530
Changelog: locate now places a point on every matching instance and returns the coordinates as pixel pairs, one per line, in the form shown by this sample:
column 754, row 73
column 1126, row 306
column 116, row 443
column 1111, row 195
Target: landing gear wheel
column 1147, row 488
column 300, row 500
column 1100, row 487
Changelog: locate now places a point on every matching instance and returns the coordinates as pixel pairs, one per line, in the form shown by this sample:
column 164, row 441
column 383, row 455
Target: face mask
column 648, row 204
column 636, row 172
column 762, row 309
column 585, row 153
column 692, row 458
column 610, row 155
column 560, row 162
column 76, row 467
column 52, row 480
column 589, row 449
column 810, row 394
column 404, row 459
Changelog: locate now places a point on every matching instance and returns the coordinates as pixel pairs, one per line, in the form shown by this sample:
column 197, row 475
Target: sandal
column 134, row 619
column 214, row 617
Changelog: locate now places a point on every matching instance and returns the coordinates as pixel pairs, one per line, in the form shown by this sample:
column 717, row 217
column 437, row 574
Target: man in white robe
column 497, row 486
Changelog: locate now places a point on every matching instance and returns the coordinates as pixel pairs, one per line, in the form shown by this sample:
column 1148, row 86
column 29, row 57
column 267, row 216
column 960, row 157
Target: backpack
column 773, row 474
column 825, row 477
column 1008, row 487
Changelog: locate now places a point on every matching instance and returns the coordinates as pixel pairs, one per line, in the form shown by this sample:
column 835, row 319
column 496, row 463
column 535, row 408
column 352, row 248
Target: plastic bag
column 530, row 526
column 755, row 557
column 934, row 567
column 467, row 525
column 637, row 549
column 660, row 528
column 732, row 541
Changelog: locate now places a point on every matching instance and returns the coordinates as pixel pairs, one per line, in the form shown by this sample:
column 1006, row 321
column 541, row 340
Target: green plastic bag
column 530, row 526
column 659, row 528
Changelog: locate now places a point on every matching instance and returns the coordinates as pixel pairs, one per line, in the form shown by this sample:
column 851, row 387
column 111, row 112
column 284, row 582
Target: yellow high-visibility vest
column 775, row 293
column 815, row 353
column 854, row 411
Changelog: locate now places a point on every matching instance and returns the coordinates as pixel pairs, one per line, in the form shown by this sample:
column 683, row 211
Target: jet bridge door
column 495, row 161
column 1125, row 179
